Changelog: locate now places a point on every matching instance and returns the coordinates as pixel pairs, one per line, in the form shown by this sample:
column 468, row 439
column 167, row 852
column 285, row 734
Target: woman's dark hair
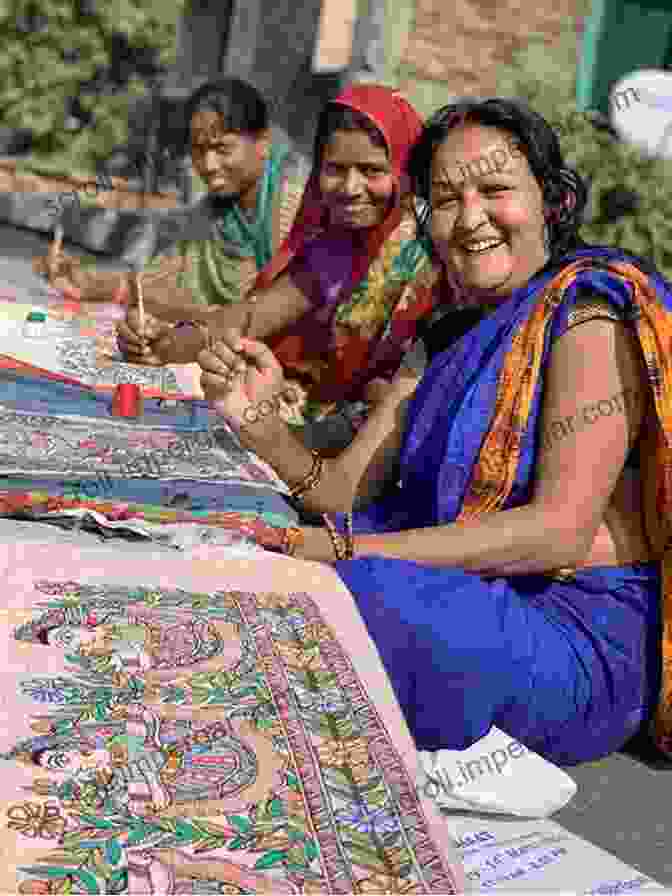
column 240, row 104
column 565, row 193
column 337, row 117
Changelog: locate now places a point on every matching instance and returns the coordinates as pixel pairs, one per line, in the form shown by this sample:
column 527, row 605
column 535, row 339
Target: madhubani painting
column 186, row 742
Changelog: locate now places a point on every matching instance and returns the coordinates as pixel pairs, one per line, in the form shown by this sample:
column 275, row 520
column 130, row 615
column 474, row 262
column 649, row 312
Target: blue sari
column 569, row 666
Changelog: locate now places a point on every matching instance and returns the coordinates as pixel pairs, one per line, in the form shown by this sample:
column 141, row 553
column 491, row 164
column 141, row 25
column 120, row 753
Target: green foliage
column 36, row 80
column 545, row 76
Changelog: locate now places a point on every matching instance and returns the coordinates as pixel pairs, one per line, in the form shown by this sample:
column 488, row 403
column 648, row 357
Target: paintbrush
column 56, row 245
column 136, row 280
column 140, row 248
column 245, row 334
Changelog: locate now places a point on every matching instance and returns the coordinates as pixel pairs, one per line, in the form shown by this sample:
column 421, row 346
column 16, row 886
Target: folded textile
column 156, row 523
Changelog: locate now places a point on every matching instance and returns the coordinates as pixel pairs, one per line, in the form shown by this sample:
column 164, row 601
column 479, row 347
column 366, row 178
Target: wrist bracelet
column 349, row 538
column 311, row 479
column 337, row 540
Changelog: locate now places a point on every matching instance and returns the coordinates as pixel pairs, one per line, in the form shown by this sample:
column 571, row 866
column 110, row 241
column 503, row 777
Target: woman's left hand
column 235, row 382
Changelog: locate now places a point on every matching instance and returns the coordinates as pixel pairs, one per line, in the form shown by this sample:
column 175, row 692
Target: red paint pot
column 127, row 400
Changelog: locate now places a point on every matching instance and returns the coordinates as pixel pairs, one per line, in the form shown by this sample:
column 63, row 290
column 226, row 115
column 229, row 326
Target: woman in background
column 254, row 185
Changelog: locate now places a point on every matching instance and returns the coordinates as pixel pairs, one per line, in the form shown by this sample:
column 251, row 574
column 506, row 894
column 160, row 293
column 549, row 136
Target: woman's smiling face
column 356, row 180
column 487, row 210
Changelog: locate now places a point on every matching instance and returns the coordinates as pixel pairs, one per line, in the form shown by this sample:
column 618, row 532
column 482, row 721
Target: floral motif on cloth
column 202, row 743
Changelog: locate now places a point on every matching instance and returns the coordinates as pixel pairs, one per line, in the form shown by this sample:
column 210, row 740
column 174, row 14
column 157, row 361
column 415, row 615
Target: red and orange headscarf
column 401, row 126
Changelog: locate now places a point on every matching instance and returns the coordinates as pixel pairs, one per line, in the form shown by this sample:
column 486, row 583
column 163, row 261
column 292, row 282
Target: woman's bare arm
column 594, row 403
column 272, row 310
column 267, row 312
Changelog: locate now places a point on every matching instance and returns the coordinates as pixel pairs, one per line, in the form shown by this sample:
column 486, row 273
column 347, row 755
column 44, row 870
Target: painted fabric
column 469, row 449
column 201, row 739
column 80, row 347
column 61, row 452
column 365, row 312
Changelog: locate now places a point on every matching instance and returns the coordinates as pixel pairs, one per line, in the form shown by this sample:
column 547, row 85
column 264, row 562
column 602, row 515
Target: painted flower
column 57, row 588
column 275, row 601
column 40, row 441
column 315, row 887
column 36, row 886
column 351, row 751
column 298, row 657
column 387, row 884
column 316, row 631
column 43, row 692
column 36, row 820
column 320, row 702
column 368, row 820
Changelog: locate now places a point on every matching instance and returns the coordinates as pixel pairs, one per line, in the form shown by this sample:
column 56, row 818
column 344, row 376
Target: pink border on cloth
column 208, row 570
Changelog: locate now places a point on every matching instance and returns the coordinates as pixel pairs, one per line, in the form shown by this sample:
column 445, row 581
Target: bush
column 545, row 76
column 67, row 73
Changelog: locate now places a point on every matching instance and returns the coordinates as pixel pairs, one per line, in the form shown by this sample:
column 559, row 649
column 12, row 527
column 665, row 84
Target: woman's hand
column 61, row 271
column 239, row 375
column 153, row 344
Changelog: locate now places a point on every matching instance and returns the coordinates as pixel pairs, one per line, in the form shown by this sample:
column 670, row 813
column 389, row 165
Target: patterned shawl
column 220, row 258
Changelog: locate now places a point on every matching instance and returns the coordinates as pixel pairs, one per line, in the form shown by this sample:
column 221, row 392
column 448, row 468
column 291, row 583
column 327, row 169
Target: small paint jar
column 127, row 401
column 35, row 326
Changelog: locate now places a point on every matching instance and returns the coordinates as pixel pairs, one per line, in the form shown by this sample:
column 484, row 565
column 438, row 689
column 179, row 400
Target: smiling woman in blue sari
column 511, row 559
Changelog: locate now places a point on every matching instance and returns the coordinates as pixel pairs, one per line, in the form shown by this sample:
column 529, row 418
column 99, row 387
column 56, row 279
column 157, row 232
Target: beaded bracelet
column 338, row 541
column 349, row 538
column 311, row 479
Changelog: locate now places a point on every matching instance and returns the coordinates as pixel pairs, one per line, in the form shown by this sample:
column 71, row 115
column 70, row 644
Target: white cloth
column 495, row 775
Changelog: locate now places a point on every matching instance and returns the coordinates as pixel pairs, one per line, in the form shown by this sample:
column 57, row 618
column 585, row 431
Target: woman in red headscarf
column 333, row 304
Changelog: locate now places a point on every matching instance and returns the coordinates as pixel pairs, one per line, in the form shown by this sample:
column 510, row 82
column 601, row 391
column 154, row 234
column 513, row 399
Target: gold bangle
column 349, row 538
column 292, row 539
column 337, row 540
column 311, row 479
